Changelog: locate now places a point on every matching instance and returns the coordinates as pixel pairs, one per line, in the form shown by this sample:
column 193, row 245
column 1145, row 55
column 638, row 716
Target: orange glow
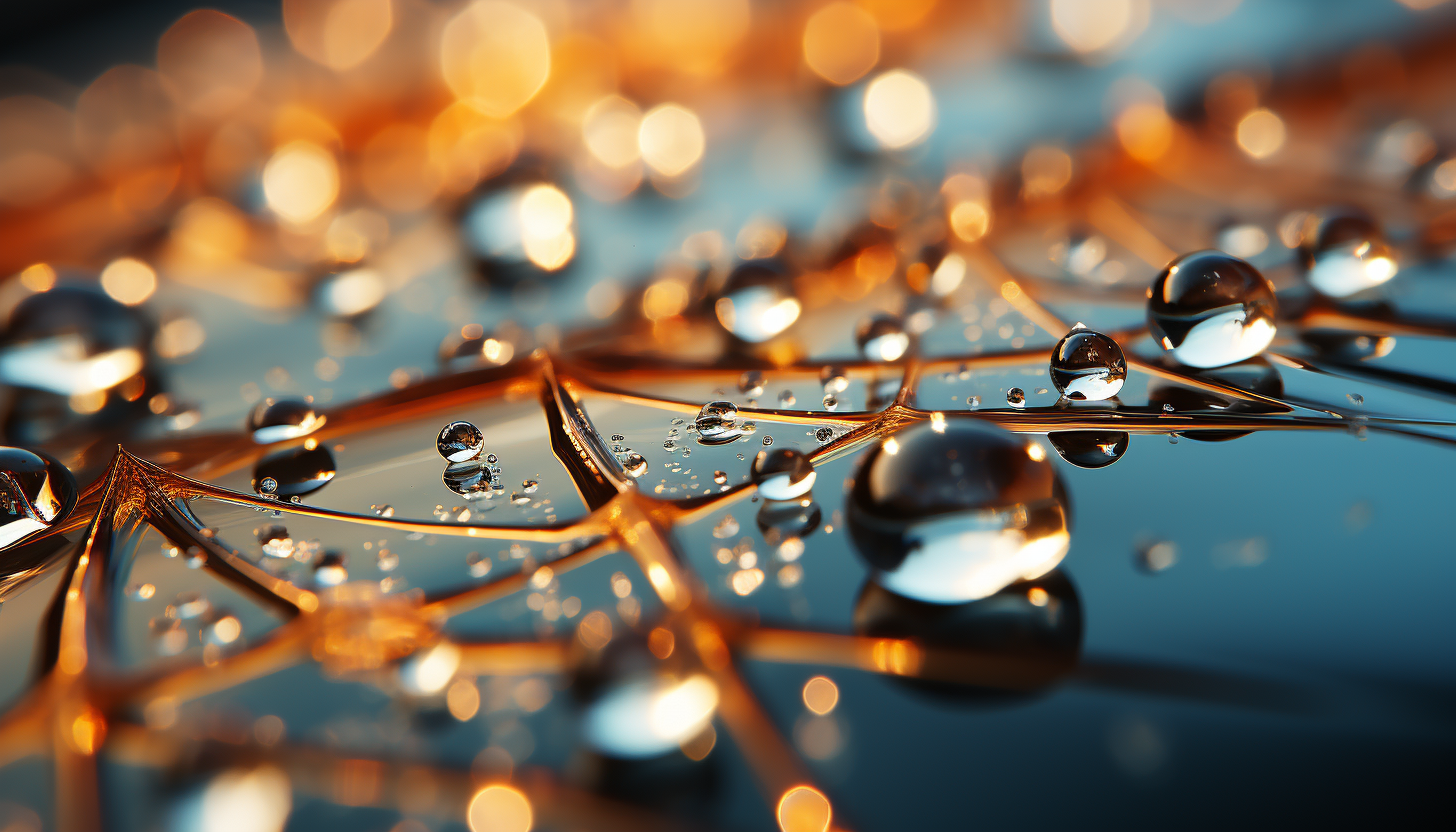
column 396, row 170
column 1045, row 170
column 841, row 42
column 463, row 699
column 897, row 15
column 211, row 61
column 664, row 299
column 499, row 808
column 1260, row 133
column 38, row 278
column 340, row 34
column 671, row 138
column 660, row 641
column 128, row 280
column 804, row 809
column 300, row 182
column 88, row 731
column 610, row 129
column 546, row 231
column 970, row 220
column 693, row 36
column 1145, row 130
column 1096, row 25
column 899, row 109
column 466, row 145
column 595, row 630
column 495, row 56
column 821, row 695
column 1037, row 596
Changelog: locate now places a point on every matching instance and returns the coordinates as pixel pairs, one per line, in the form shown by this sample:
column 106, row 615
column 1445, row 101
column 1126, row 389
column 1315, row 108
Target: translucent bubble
column 36, row 492
column 1210, row 309
column 831, row 402
column 382, row 510
column 280, row 420
column 469, row 479
column 351, row 293
column 782, row 474
column 1089, row 448
column 268, row 487
column 634, row 464
column 757, row 302
column 1345, row 254
column 275, row 542
column 786, row 398
column 1016, row 397
column 478, row 564
column 834, row 380
column 460, row 441
column 882, row 338
column 633, row 708
column 751, row 384
column 298, row 471
column 953, row 515
column 329, row 570
column 222, row 630
column 717, row 423
column 973, row 401
column 1088, row 365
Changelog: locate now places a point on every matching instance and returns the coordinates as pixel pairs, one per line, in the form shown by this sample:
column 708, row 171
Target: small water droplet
column 882, row 338
column 491, row 459
column 786, row 398
column 1016, row 397
column 460, row 441
column 634, row 464
column 726, row 528
column 823, row 435
column 382, row 510
column 720, row 477
column 834, row 380
column 519, row 499
column 973, row 401
column 295, row 471
column 530, row 486
column 280, row 420
column 751, row 383
column 831, row 402
column 1167, row 408
column 478, row 564
column 717, row 423
column 616, row 437
column 767, row 440
column 330, row 571
column 1355, row 398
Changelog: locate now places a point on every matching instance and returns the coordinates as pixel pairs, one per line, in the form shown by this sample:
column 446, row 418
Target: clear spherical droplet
column 782, row 474
column 634, row 464
column 720, row 477
column 1090, row 448
column 1016, row 397
column 36, row 492
column 1210, row 309
column 757, row 302
column 460, row 441
column 298, row 471
column 1087, row 365
column 882, row 338
column 281, row 420
column 1345, row 254
column 268, row 486
column 831, row 402
column 949, row 516
column 469, row 479
column 717, row 423
column 823, row 435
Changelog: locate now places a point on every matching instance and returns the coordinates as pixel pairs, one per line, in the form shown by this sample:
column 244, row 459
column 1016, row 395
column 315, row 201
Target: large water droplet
column 469, row 479
column 717, row 423
column 955, row 515
column 757, row 302
column 280, row 420
column 1090, row 448
column 1210, row 309
column 297, row 471
column 632, row 707
column 72, row 340
column 1016, row 397
column 460, row 441
column 1088, row 365
column 36, row 492
column 783, row 474
column 1345, row 253
column 882, row 338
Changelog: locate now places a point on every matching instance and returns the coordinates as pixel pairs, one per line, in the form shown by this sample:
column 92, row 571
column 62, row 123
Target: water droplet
column 973, row 401
column 281, row 420
column 518, row 499
column 36, row 492
column 275, row 542
column 786, row 398
column 720, row 477
column 823, row 435
column 1090, row 448
column 717, row 423
column 782, row 474
column 830, row 402
column 298, row 471
column 1087, row 365
column 617, row 437
column 71, row 341
column 460, row 441
column 1355, row 398
column 953, row 516
column 1210, row 309
column 1346, row 254
column 470, row 479
column 1347, row 346
column 882, row 338
column 517, row 227
column 751, row 384
column 834, row 380
column 781, row 520
column 1016, row 397
column 388, row 560
column 491, row 459
column 1256, row 375
column 530, row 486
column 329, row 570
column 382, row 510
column 757, row 302
column 478, row 564
column 222, row 630
column 1167, row 408
column 470, row 347
column 350, row 293
column 726, row 528
column 1157, row 556
column 634, row 464
column 189, row 605
column 268, row 487
column 767, row 440
column 141, row 592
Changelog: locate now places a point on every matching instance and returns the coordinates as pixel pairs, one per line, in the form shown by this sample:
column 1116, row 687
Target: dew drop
column 530, row 486
column 460, row 441
column 882, row 338
column 281, row 420
column 1355, row 398
column 469, row 479
column 757, row 302
column 786, row 398
column 1209, row 309
column 782, row 474
column 1346, row 254
column 1016, row 397
column 726, row 528
column 1090, row 448
column 720, row 477
column 834, row 380
column 823, row 435
column 296, row 471
column 831, row 402
column 36, row 492
column 1087, row 365
column 717, row 423
column 634, row 464
column 329, row 570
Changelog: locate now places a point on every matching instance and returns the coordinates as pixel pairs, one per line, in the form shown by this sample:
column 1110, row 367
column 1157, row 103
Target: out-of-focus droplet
column 1243, row 240
column 634, row 464
column 499, row 808
column 351, row 293
column 1347, row 346
column 1092, row 26
column 530, row 224
column 883, row 338
column 128, row 280
column 610, row 130
column 283, row 419
column 1016, row 397
column 1255, row 375
column 803, row 809
column 1087, row 365
column 72, row 340
column 275, row 542
column 1260, row 133
column 841, row 42
column 634, row 710
column 1090, row 448
column 717, row 423
column 1080, row 253
column 340, row 34
column 470, row 347
column 211, row 61
column 495, row 56
column 298, row 471
column 720, row 478
column 956, row 515
column 751, row 384
column 782, row 474
column 671, row 139
column 460, row 441
column 1345, row 254
column 329, row 570
column 834, row 380
column 899, row 109
column 36, row 492
column 1156, row 556
column 300, row 182
column 757, row 302
column 1210, row 309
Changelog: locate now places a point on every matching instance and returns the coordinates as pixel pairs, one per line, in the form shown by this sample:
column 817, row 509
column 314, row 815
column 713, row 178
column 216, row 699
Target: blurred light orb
column 528, row 223
column 340, row 34
column 969, row 220
column 804, row 809
column 351, row 293
column 841, row 42
column 300, row 182
column 499, row 808
column 649, row 717
column 756, row 303
column 692, row 36
column 899, row 109
column 1260, row 133
column 428, row 672
column 128, row 280
column 1145, row 131
column 1045, row 171
column 1088, row 26
column 671, row 138
column 211, row 61
column 495, row 56
column 258, row 800
column 610, row 130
